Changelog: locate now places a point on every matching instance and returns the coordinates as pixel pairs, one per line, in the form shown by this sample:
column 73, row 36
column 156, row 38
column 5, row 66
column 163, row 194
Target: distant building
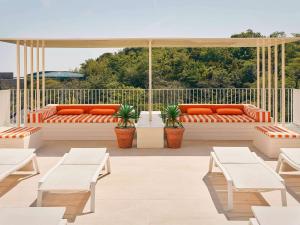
column 8, row 81
column 61, row 75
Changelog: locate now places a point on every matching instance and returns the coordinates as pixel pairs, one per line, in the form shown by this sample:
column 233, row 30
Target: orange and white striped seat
column 215, row 118
column 198, row 118
column 83, row 118
column 19, row 132
column 277, row 132
column 235, row 119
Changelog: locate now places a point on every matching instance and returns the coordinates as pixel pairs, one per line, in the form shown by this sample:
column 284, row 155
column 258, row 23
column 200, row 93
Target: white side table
column 150, row 134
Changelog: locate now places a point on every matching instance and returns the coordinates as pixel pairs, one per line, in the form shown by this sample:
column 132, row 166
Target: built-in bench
column 76, row 126
column 21, row 137
column 269, row 139
column 215, row 126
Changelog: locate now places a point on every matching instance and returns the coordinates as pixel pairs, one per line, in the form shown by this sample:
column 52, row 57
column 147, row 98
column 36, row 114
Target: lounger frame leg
column 35, row 165
column 211, row 164
column 229, row 195
column 279, row 163
column 108, row 167
column 39, row 198
column 283, row 197
column 93, row 194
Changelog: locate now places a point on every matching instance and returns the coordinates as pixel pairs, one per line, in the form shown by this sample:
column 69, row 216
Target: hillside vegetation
column 181, row 67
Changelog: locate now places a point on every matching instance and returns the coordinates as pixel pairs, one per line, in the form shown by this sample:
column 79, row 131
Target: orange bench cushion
column 19, row 132
column 199, row 111
column 277, row 132
column 229, row 111
column 184, row 107
column 83, row 118
column 70, row 112
column 88, row 108
column 102, row 111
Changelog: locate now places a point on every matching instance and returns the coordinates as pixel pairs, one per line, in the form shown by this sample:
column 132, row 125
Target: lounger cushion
column 229, row 111
column 274, row 215
column 83, row 118
column 14, row 156
column 70, row 177
column 199, row 111
column 292, row 153
column 198, row 118
column 234, row 119
column 85, row 156
column 234, row 155
column 256, row 176
column 19, row 132
column 277, row 132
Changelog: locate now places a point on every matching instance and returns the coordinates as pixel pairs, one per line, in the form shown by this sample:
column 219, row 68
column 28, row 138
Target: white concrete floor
column 147, row 187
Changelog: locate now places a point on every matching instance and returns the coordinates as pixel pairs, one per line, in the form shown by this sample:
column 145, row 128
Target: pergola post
column 31, row 81
column 150, row 82
column 18, row 85
column 38, row 104
column 25, row 83
column 43, row 72
column 283, row 83
column 269, row 80
column 258, row 76
column 276, row 83
column 264, row 77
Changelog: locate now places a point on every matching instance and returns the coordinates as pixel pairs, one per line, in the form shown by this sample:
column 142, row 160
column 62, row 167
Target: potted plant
column 125, row 129
column 173, row 127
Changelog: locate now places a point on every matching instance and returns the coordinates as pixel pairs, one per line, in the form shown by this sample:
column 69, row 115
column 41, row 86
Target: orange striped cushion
column 229, row 111
column 83, row 118
column 235, row 119
column 102, row 111
column 198, row 118
column 258, row 114
column 70, row 112
column 19, row 132
column 277, row 132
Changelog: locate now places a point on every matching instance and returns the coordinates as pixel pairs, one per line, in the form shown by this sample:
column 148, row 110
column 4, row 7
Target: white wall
column 4, row 107
column 296, row 106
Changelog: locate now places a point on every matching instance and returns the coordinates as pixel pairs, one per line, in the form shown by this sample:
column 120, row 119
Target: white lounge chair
column 245, row 171
column 275, row 215
column 290, row 156
column 14, row 159
column 77, row 171
column 32, row 216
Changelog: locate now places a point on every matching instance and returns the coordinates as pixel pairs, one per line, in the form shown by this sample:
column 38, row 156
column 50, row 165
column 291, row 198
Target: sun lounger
column 245, row 171
column 32, row 216
column 275, row 215
column 290, row 156
column 14, row 159
column 77, row 171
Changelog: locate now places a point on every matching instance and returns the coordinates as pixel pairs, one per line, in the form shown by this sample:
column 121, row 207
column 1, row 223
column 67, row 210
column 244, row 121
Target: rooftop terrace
column 149, row 186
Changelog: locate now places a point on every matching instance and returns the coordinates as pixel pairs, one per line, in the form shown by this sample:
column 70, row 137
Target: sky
column 134, row 18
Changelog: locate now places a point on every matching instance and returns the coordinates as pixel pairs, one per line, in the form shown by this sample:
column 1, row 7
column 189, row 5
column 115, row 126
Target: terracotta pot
column 125, row 137
column 174, row 137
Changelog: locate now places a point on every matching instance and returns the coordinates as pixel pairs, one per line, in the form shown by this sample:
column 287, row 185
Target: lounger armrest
column 219, row 164
column 42, row 180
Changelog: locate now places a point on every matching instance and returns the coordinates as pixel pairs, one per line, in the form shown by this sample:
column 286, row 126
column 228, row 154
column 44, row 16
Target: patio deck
column 148, row 186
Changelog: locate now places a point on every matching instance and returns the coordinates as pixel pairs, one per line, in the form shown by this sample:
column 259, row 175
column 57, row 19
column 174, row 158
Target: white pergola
column 261, row 44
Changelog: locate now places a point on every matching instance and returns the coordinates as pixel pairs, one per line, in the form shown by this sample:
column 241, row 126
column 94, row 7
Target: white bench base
column 78, row 131
column 220, row 131
column 32, row 141
column 271, row 146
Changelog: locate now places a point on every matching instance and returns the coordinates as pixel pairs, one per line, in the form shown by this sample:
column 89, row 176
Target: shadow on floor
column 189, row 148
column 74, row 203
column 242, row 201
column 292, row 185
